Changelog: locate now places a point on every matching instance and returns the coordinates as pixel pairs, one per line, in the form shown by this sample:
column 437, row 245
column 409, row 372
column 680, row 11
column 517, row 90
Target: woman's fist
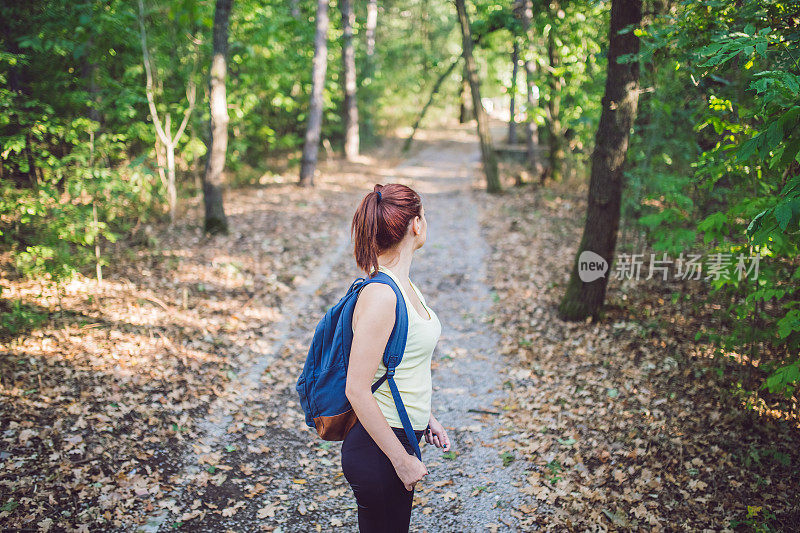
column 410, row 470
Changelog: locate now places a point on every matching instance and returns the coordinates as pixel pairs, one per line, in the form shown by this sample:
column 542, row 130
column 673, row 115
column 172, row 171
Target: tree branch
column 149, row 75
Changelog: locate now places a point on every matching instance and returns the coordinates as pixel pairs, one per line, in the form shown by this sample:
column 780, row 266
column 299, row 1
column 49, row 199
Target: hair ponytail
column 381, row 221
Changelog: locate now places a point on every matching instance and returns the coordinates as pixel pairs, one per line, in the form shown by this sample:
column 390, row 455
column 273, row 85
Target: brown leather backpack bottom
column 335, row 427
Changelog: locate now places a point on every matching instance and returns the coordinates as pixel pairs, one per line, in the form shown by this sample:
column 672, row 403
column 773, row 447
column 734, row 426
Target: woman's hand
column 436, row 435
column 410, row 470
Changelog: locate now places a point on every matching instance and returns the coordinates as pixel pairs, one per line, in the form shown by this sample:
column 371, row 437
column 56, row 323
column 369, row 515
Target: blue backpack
column 322, row 383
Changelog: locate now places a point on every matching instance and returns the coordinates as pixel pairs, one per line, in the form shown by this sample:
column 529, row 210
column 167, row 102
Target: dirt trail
column 473, row 491
column 273, row 473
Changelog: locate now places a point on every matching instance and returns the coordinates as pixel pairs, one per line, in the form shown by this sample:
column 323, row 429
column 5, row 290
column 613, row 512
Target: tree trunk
column 372, row 23
column 213, row 182
column 531, row 129
column 172, row 188
column 512, row 122
column 161, row 162
column 555, row 138
column 532, row 93
column 164, row 133
column 584, row 299
column 464, row 113
column 366, row 88
column 351, row 141
column 314, row 126
column 487, row 149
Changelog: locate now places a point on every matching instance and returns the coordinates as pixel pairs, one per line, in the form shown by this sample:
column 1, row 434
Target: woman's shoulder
column 376, row 295
column 375, row 305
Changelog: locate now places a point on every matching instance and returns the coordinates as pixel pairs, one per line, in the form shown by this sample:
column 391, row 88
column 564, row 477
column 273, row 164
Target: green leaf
column 791, row 185
column 789, row 119
column 773, row 137
column 783, row 379
column 756, row 223
column 789, row 324
column 789, row 153
column 9, row 506
column 507, row 457
column 713, row 225
column 748, row 148
column 783, row 213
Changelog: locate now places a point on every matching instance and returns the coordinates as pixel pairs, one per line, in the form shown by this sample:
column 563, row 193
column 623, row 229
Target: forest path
column 273, row 473
column 473, row 491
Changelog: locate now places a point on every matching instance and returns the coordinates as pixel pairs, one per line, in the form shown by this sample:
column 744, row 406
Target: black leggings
column 384, row 504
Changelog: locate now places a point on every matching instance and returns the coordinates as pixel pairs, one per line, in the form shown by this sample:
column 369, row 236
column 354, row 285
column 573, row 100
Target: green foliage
column 785, row 377
column 425, row 39
column 60, row 165
column 50, row 226
column 757, row 519
column 580, row 31
column 555, row 469
column 9, row 506
column 731, row 184
column 507, row 458
column 17, row 317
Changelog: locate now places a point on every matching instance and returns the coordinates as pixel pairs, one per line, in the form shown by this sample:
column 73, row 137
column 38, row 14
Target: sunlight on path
column 471, row 491
column 215, row 428
column 275, row 474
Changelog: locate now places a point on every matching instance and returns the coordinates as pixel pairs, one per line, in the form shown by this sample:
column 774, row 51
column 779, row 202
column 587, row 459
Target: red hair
column 381, row 221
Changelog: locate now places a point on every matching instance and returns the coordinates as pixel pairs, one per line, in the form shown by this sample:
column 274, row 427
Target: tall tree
column 213, row 182
column 487, row 148
column 584, row 299
column 512, row 121
column 372, row 23
column 164, row 131
column 532, row 91
column 555, row 82
column 318, row 70
column 351, row 141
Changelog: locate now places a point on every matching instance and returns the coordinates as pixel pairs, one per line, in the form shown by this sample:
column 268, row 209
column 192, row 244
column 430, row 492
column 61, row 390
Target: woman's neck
column 399, row 264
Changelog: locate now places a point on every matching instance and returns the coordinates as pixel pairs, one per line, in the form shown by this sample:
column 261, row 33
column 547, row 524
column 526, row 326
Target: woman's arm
column 373, row 320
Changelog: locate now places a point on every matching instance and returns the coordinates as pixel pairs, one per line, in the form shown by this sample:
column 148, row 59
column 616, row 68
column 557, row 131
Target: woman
column 377, row 459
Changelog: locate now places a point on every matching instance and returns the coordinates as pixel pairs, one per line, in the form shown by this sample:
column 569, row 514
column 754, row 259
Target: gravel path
column 473, row 491
column 266, row 471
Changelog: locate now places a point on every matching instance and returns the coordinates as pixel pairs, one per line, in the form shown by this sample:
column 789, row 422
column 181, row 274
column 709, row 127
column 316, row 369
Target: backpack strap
column 401, row 410
column 393, row 355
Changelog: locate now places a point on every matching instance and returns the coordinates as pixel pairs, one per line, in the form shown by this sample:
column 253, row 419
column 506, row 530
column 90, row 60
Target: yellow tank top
column 413, row 374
